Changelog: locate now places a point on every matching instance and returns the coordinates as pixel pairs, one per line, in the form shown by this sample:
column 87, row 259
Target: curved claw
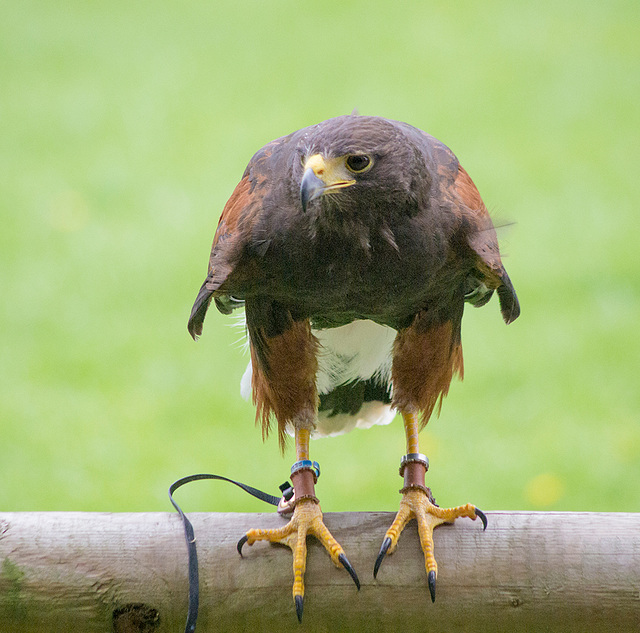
column 483, row 517
column 352, row 572
column 386, row 544
column 241, row 542
column 299, row 607
column 432, row 585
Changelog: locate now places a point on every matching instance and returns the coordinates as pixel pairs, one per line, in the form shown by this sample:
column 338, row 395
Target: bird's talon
column 299, row 600
column 306, row 521
column 432, row 585
column 386, row 544
column 352, row 572
column 241, row 542
column 483, row 517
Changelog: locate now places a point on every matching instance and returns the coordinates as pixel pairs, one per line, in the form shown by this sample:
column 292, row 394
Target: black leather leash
column 194, row 588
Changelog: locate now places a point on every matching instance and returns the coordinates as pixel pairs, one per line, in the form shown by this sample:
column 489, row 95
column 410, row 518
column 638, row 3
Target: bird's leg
column 306, row 519
column 418, row 503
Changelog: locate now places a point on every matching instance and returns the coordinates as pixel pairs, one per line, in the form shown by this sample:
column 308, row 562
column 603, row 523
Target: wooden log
column 127, row 573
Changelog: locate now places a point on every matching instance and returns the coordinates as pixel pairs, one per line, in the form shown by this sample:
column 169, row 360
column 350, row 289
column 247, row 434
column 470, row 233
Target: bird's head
column 358, row 161
column 324, row 175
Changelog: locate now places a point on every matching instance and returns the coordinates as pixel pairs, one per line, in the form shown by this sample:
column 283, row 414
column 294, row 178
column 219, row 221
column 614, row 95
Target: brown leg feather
column 284, row 377
column 426, row 357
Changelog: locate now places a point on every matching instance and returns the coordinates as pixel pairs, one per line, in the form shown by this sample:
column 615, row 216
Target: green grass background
column 124, row 127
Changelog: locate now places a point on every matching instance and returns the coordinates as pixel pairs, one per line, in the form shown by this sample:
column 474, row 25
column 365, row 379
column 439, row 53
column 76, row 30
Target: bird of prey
column 353, row 246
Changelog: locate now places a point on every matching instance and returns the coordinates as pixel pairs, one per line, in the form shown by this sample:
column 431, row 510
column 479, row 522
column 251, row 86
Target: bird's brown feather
column 229, row 241
column 483, row 241
column 426, row 357
column 284, row 377
column 404, row 247
column 232, row 236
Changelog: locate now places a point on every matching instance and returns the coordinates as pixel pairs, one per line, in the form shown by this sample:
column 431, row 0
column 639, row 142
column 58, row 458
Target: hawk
column 353, row 246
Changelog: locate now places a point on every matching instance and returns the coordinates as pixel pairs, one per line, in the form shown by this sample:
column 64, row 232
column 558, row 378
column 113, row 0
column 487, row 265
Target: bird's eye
column 357, row 163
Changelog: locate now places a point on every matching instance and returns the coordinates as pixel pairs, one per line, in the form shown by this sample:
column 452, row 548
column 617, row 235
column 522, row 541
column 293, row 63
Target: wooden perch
column 127, row 573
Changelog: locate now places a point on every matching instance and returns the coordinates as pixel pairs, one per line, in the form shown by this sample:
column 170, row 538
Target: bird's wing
column 483, row 241
column 232, row 235
column 456, row 191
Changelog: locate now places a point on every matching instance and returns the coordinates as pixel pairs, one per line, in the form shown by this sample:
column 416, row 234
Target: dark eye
column 358, row 163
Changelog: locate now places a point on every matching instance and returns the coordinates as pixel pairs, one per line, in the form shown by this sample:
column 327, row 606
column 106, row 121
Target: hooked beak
column 311, row 188
column 323, row 176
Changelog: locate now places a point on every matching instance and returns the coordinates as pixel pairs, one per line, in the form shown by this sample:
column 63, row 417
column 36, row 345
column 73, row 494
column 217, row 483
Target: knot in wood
column 135, row 617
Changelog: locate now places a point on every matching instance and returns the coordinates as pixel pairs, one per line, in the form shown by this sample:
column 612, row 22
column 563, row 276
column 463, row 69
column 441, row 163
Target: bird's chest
column 357, row 270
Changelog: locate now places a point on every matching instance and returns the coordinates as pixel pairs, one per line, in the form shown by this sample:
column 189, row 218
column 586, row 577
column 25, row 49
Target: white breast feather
column 359, row 350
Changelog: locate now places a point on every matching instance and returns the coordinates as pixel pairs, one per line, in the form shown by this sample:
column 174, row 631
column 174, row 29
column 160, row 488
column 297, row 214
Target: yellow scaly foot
column 416, row 504
column 306, row 520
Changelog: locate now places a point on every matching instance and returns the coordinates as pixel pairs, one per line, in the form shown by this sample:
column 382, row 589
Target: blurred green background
column 124, row 127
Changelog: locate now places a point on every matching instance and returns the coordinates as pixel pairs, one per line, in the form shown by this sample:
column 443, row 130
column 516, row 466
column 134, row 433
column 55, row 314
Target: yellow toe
column 416, row 504
column 306, row 520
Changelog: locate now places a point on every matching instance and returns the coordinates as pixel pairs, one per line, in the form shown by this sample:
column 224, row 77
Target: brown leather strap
column 414, row 474
column 304, row 483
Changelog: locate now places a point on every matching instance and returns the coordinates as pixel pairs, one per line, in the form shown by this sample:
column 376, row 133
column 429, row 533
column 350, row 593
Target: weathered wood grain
column 528, row 572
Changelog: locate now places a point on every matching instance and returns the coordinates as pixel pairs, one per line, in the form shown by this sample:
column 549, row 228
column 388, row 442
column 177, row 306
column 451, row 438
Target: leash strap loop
column 194, row 583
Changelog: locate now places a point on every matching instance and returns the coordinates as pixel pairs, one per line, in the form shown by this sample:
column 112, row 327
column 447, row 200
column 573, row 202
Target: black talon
column 352, row 572
column 386, row 544
column 432, row 585
column 483, row 517
column 241, row 542
column 299, row 606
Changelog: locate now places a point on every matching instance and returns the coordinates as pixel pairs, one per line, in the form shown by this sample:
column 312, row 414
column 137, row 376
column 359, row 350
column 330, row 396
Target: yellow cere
column 332, row 171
